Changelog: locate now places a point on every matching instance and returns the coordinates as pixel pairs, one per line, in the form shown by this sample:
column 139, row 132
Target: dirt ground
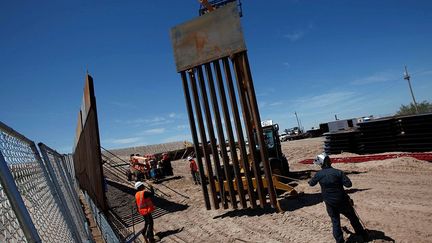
column 393, row 198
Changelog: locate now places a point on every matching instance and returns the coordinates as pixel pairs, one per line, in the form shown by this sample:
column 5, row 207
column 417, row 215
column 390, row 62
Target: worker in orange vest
column 145, row 208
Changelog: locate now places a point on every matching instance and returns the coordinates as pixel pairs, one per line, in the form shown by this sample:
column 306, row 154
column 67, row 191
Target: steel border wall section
column 87, row 156
column 210, row 39
column 200, row 89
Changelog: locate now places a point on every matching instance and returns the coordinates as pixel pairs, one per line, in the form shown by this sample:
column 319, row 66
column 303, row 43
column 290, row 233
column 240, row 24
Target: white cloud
column 182, row 127
column 172, row 115
column 155, row 121
column 276, row 103
column 121, row 104
column 123, row 141
column 176, row 138
column 376, row 78
column 295, row 36
column 324, row 100
column 154, row 131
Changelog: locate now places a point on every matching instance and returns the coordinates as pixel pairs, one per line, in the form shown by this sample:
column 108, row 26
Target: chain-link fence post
column 17, row 203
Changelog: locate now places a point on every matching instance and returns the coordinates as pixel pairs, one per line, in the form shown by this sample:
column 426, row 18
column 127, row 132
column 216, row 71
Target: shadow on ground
column 121, row 200
column 373, row 235
column 167, row 179
column 307, row 199
column 167, row 233
column 307, row 174
column 250, row 212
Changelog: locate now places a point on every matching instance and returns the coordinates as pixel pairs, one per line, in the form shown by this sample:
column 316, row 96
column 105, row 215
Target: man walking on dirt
column 337, row 201
column 145, row 208
column 194, row 170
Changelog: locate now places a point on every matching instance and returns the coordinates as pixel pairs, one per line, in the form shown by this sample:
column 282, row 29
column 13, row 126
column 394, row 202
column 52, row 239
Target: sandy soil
column 393, row 198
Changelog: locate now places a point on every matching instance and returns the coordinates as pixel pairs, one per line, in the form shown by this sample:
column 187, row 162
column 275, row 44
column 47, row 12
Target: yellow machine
column 278, row 184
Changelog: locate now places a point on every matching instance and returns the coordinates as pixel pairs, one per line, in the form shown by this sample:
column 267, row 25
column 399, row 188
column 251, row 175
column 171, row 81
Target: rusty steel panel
column 87, row 155
column 78, row 129
column 86, row 99
column 209, row 37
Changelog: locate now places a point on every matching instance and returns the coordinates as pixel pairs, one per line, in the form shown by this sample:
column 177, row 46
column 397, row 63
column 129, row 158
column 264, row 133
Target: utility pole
column 298, row 123
column 407, row 77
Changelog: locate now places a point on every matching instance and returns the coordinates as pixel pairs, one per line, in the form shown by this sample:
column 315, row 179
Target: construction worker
column 166, row 161
column 145, row 208
column 135, row 168
column 337, row 201
column 194, row 170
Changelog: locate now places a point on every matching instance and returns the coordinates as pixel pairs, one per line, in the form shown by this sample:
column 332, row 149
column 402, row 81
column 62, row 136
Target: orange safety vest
column 145, row 205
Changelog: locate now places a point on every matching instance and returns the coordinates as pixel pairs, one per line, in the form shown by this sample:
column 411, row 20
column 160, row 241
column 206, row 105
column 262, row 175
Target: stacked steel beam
column 414, row 133
column 378, row 136
column 342, row 141
column 404, row 133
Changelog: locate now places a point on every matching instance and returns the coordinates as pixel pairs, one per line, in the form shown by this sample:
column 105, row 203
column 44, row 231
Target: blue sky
column 319, row 58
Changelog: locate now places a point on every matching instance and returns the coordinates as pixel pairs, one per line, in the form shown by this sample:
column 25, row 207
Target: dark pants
column 148, row 227
column 195, row 177
column 348, row 211
column 138, row 175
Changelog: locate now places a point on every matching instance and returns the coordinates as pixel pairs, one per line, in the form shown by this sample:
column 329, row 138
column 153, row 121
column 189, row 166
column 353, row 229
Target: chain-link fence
column 107, row 231
column 56, row 168
column 37, row 202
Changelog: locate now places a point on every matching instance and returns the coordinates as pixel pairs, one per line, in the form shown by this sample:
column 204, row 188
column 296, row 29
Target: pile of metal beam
column 341, row 141
column 414, row 133
column 378, row 136
column 404, row 133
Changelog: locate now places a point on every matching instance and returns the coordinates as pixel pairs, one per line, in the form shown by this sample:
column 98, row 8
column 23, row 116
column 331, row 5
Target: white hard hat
column 138, row 184
column 319, row 160
column 189, row 158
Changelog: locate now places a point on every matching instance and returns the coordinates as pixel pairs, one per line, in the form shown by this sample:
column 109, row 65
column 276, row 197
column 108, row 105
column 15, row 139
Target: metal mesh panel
column 10, row 230
column 65, row 182
column 107, row 232
column 36, row 191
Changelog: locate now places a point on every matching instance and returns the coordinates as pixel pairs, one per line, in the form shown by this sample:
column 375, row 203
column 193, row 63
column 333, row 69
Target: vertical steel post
column 257, row 120
column 221, row 137
column 195, row 139
column 230, row 134
column 203, row 140
column 240, row 77
column 239, row 132
column 210, row 132
column 17, row 203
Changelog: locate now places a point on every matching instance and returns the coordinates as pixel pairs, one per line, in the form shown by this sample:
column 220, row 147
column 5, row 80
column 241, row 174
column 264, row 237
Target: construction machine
column 278, row 162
